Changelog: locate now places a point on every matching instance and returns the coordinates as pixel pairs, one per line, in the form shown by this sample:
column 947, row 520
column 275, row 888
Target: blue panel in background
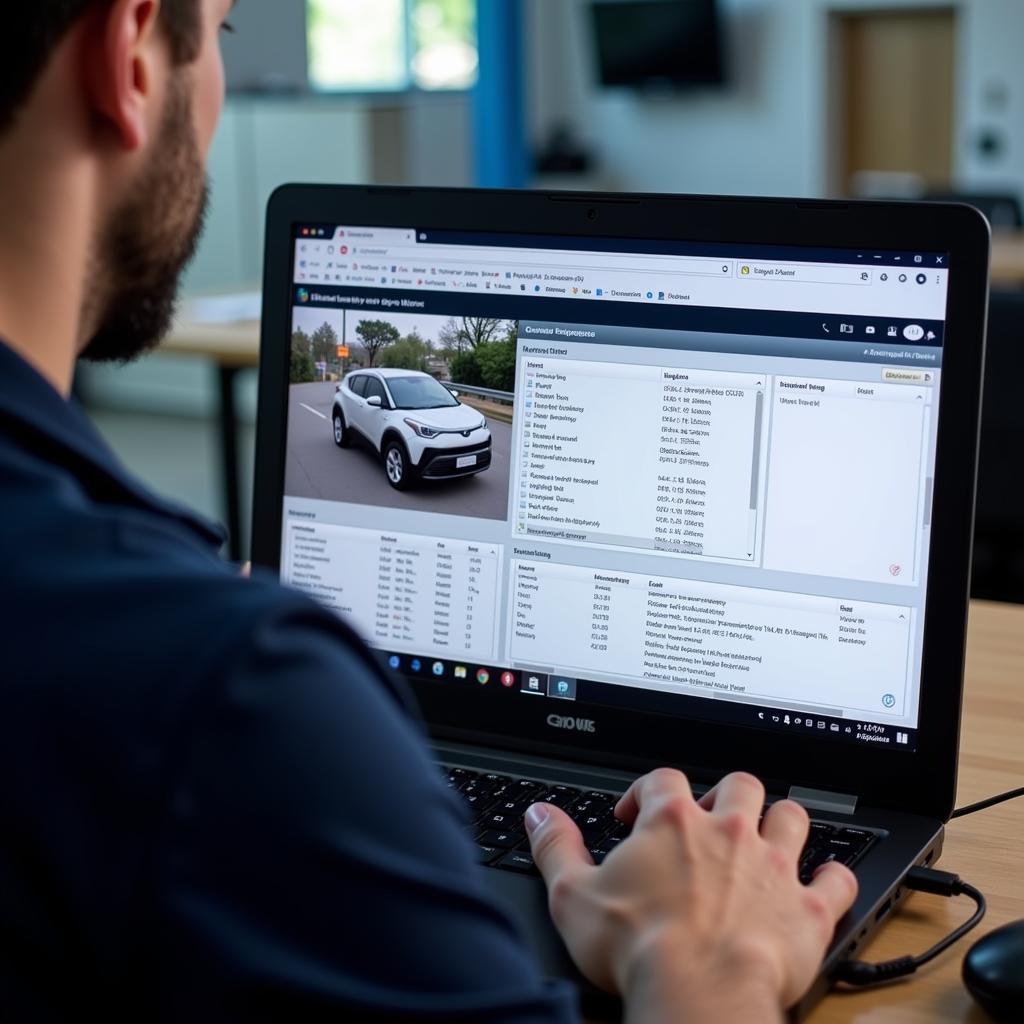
column 499, row 124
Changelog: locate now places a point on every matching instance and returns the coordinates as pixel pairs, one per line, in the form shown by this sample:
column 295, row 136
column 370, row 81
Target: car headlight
column 421, row 429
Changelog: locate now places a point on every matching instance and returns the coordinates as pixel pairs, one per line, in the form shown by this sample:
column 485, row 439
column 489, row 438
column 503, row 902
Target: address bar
column 454, row 255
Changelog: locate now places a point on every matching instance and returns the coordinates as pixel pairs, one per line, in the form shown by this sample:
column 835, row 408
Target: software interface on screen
column 687, row 479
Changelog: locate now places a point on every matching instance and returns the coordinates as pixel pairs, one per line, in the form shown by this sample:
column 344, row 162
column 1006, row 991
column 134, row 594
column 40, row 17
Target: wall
column 768, row 131
column 757, row 136
column 991, row 95
column 267, row 50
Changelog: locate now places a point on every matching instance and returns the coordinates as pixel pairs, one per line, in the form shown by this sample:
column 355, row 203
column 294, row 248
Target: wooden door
column 893, row 94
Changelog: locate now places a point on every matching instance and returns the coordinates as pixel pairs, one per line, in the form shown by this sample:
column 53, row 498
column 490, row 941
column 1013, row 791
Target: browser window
column 689, row 479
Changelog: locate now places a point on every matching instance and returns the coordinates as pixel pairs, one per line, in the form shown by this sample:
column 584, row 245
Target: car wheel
column 341, row 431
column 399, row 472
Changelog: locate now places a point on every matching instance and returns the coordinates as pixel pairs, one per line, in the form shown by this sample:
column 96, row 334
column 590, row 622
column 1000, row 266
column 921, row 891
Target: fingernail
column 536, row 815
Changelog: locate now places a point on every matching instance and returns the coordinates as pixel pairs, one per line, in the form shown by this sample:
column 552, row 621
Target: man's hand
column 699, row 913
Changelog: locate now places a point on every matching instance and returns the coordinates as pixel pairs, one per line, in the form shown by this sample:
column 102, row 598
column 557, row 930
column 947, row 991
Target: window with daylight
column 391, row 45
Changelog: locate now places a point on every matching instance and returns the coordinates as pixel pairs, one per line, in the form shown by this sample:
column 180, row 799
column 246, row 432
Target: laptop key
column 511, row 807
column 523, row 789
column 858, row 836
column 619, row 829
column 502, row 822
column 518, row 860
column 588, row 805
column 495, row 837
column 560, row 796
column 487, row 854
column 593, row 823
column 842, row 850
column 478, row 802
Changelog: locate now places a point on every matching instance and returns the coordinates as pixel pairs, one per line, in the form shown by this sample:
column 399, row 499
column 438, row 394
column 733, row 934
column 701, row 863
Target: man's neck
column 45, row 237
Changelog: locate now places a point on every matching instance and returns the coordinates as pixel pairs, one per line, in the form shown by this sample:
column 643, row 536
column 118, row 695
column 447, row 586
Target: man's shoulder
column 102, row 587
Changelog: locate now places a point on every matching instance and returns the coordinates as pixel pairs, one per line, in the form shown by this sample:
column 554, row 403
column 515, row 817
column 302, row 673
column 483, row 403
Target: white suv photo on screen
column 418, row 426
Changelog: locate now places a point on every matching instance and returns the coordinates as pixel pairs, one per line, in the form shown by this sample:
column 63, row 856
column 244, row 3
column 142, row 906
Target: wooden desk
column 1008, row 259
column 233, row 347
column 983, row 848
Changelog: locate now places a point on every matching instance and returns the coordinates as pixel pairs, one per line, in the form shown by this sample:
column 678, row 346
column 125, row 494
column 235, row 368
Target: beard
column 148, row 241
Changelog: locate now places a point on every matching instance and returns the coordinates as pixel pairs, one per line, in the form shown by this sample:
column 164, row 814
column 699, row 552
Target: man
column 215, row 805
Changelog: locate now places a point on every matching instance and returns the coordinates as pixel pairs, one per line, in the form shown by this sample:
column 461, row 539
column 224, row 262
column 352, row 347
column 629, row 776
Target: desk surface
column 983, row 848
column 234, row 345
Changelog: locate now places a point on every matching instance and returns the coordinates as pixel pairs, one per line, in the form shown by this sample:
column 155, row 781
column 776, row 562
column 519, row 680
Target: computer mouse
column 994, row 972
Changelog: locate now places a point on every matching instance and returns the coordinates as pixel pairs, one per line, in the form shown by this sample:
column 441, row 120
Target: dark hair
column 33, row 29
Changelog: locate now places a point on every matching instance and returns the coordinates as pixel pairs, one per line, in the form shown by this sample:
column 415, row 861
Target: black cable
column 941, row 883
column 1010, row 794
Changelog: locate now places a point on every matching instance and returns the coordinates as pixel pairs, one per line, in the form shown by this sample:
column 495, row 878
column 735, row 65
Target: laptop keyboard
column 498, row 802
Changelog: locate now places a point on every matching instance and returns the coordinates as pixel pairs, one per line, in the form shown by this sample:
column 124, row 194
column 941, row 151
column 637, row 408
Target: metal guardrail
column 499, row 396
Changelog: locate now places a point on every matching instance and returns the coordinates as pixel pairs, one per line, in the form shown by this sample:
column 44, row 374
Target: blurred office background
column 877, row 98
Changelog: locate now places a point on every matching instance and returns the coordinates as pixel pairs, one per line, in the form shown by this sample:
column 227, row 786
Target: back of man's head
column 107, row 112
column 33, row 30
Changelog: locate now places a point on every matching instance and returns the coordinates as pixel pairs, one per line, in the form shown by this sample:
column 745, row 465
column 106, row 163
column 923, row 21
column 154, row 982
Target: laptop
column 621, row 481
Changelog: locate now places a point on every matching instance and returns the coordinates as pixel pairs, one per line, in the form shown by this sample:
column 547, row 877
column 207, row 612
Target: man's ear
column 124, row 61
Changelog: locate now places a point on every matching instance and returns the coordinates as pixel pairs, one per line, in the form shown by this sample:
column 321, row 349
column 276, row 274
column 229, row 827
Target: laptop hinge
column 823, row 800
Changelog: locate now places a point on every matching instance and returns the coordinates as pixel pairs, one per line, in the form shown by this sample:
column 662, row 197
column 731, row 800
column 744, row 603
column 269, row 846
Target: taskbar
column 553, row 686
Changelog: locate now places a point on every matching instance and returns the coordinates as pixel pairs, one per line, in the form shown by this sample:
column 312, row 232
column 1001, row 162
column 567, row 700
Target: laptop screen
column 687, row 479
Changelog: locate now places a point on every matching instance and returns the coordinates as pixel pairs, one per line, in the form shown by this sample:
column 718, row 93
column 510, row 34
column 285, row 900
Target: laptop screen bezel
column 923, row 780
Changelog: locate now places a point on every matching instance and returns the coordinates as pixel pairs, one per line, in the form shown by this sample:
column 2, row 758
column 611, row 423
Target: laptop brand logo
column 573, row 724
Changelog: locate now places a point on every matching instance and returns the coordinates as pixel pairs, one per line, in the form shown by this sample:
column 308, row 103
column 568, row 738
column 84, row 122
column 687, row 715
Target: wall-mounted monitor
column 658, row 45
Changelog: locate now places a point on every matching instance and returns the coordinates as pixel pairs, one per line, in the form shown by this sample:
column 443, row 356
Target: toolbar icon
column 534, row 683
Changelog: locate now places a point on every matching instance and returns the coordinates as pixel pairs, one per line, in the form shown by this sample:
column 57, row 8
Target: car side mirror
column 375, row 401
column 455, row 393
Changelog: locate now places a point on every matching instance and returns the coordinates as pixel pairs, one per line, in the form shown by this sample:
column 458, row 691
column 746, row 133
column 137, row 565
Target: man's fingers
column 786, row 824
column 660, row 782
column 736, row 792
column 555, row 842
column 836, row 884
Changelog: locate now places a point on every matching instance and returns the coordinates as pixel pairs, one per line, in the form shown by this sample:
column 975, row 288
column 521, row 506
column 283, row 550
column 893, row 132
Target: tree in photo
column 301, row 341
column 301, row 367
column 497, row 362
column 375, row 335
column 463, row 368
column 408, row 353
column 325, row 344
column 467, row 332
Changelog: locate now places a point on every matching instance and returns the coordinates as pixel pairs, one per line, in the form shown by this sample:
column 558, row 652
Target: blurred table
column 1008, row 259
column 983, row 848
column 226, row 330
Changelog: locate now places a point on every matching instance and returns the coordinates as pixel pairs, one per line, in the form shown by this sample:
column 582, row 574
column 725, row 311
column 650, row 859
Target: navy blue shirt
column 214, row 803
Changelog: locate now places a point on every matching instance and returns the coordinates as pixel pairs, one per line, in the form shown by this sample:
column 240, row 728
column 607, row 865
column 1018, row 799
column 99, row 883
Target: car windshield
column 420, row 393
